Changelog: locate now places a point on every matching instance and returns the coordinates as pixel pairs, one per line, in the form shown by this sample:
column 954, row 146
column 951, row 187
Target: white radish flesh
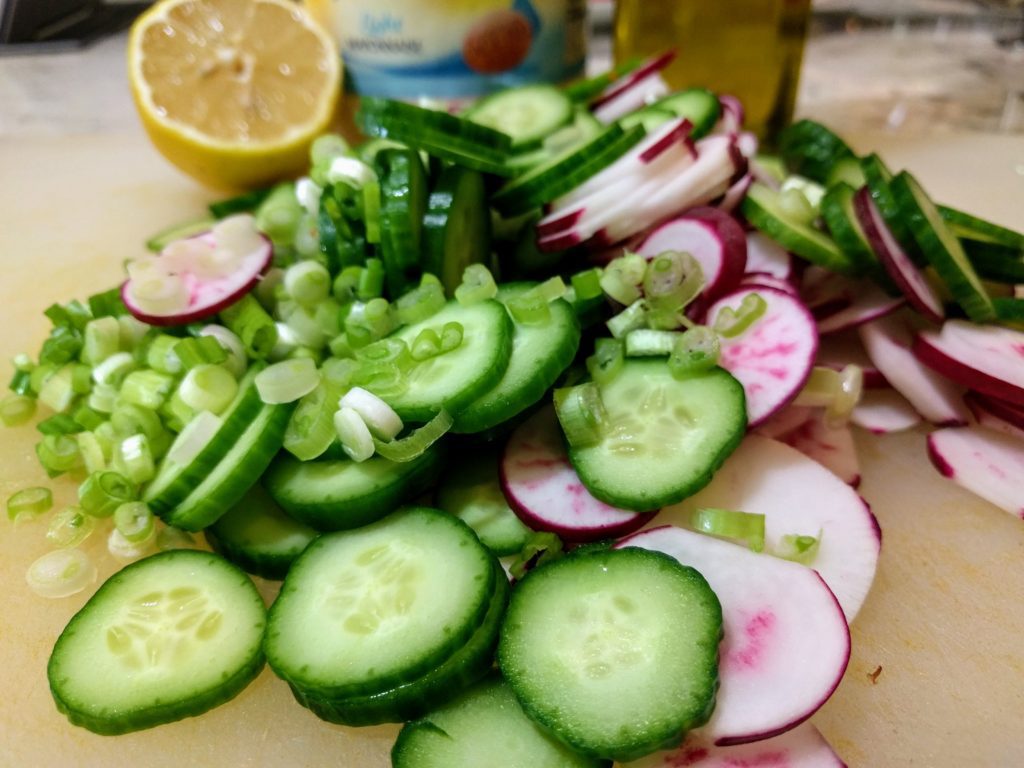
column 630, row 79
column 732, row 117
column 996, row 414
column 765, row 255
column 870, row 303
column 786, row 642
column 753, row 279
column 881, row 411
column 986, row 463
column 766, row 477
column 831, row 446
column 735, row 194
column 545, row 492
column 643, row 92
column 785, row 421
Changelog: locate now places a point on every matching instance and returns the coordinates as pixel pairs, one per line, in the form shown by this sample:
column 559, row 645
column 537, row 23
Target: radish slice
column 652, row 66
column 871, row 303
column 825, row 292
column 197, row 277
column 713, row 238
column 748, row 143
column 985, row 358
column 881, row 411
column 754, row 279
column 786, row 643
column 802, row 747
column 773, row 357
column 838, row 350
column 797, row 496
column 543, row 489
column 641, row 93
column 734, row 195
column 908, row 278
column 767, row 256
column 888, row 343
column 986, row 463
column 996, row 414
column 832, row 447
column 785, row 421
column 733, row 114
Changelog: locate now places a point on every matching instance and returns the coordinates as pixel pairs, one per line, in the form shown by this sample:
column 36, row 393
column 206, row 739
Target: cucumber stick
column 403, row 202
column 167, row 637
column 457, row 225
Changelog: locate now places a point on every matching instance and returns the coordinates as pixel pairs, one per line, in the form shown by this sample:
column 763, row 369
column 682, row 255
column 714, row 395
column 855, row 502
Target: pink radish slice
column 908, row 278
column 747, row 143
column 802, row 747
column 985, row 358
column 797, row 496
column 206, row 296
column 888, row 343
column 543, row 489
column 734, row 195
column 986, row 463
column 986, row 409
column 764, row 280
column 825, row 292
column 643, row 92
column 832, row 447
column 767, row 256
column 785, row 421
column 733, row 114
column 838, row 350
column 881, row 411
column 773, row 357
column 651, row 66
column 713, row 238
column 786, row 642
column 870, row 303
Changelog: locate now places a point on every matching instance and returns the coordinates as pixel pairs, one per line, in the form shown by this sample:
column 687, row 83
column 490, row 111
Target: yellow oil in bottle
column 749, row 48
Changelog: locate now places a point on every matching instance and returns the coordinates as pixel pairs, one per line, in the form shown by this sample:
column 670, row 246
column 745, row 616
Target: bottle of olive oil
column 749, row 48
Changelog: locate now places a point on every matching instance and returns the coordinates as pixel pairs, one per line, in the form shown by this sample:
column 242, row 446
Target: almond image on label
column 498, row 42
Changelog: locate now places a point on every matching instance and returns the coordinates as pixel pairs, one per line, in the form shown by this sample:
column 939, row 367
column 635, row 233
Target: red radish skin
column 734, row 195
column 651, row 66
column 786, row 642
column 830, row 446
column 767, row 477
column 773, row 357
column 986, row 358
column 908, row 278
column 643, row 92
column 882, row 411
column 838, row 350
column 545, row 492
column 764, row 255
column 888, row 343
column 996, row 414
column 986, row 463
column 733, row 114
column 764, row 280
column 871, row 303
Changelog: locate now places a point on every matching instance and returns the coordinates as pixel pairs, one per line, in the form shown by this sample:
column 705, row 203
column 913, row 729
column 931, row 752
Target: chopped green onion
column 134, row 520
column 796, row 207
column 279, row 213
column 199, row 350
column 251, row 323
column 58, row 454
column 384, row 379
column 308, row 282
column 632, row 317
column 371, row 280
column 551, row 289
column 266, row 289
column 102, row 339
column 130, row 419
column 851, row 384
column 730, row 524
column 671, row 282
column 354, row 435
column 310, row 429
column 21, row 383
column 371, row 210
column 418, row 441
column 452, row 334
column 62, row 346
column 70, row 527
column 128, row 551
column 169, row 537
column 103, row 492
column 346, row 284
column 29, row 503
column 644, row 342
column 581, row 413
column 623, row 277
column 421, row 302
column 799, row 548
column 325, row 148
column 16, row 409
column 37, row 378
column 107, row 304
column 587, row 284
column 287, row 381
column 58, row 393
column 732, row 322
column 539, row 549
column 147, row 389
column 387, row 351
column 378, row 416
column 132, row 331
column 161, row 355
column 208, row 387
column 134, row 459
column 61, row 573
column 607, row 360
column 339, row 370
column 426, row 345
column 111, row 372
column 22, row 362
column 327, row 315
column 695, row 351
column 820, row 388
column 87, row 417
column 236, row 360
column 103, row 398
column 477, row 285
column 93, row 457
column 529, row 308
column 59, row 424
column 81, row 379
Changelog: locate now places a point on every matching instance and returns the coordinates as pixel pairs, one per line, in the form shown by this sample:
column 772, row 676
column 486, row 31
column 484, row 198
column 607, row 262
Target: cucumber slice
column 942, row 248
column 539, row 355
column 995, row 262
column 165, row 237
column 403, row 203
column 341, row 494
column 235, row 473
column 969, row 227
column 846, row 170
column 648, row 117
column 399, row 120
column 258, row 537
column 615, row 652
column 457, row 226
column 763, row 209
column 810, row 149
column 664, row 437
column 471, row 490
column 455, row 379
column 545, row 182
column 167, row 637
column 481, row 723
column 527, row 113
column 698, row 105
column 848, row 234
column 363, row 611
column 878, row 178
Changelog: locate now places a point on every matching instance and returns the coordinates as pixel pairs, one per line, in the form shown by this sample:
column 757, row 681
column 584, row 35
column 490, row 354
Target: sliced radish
column 773, row 357
column 825, row 292
column 652, row 65
column 713, row 238
column 908, row 278
column 733, row 114
column 748, row 143
column 785, row 421
column 544, row 491
column 838, row 350
column 888, row 343
column 986, row 463
column 830, row 446
column 753, row 279
column 734, row 195
column 197, row 277
column 881, row 411
column 985, row 358
column 764, row 255
column 641, row 93
column 797, row 496
column 870, row 303
column 786, row 642
column 996, row 414
column 802, row 747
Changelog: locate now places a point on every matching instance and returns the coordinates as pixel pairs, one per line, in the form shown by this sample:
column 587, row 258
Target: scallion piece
column 251, row 323
column 339, row 370
column 128, row 551
column 419, row 440
column 695, row 351
column 632, row 317
column 747, row 527
column 134, row 459
column 540, row 548
column 587, row 284
column 208, row 388
column 310, row 429
column 551, row 289
column 94, row 459
column 451, row 336
column 672, row 280
column 103, row 492
column 581, row 413
column 384, row 379
column 21, row 383
column 132, row 331
column 58, row 454
column 325, row 148
column 371, row 210
column 147, row 388
column 70, row 527
column 169, row 537
column 134, row 520
column 851, row 385
column 477, row 285
column 371, row 280
column 107, row 304
column 424, row 301
column 199, row 350
column 607, row 360
column 111, row 372
column 327, row 315
column 62, row 346
column 102, row 339
column 378, row 416
column 346, row 284
column 103, row 398
column 58, row 393
column 387, row 351
column 29, row 503
column 798, row 548
column 61, row 573
column 81, row 379
column 644, row 342
column 59, row 424
column 426, row 345
column 16, row 409
column 279, row 213
column 287, row 381
column 308, row 282
column 87, row 417
column 37, row 378
column 623, row 277
column 529, row 308
column 354, row 435
column 236, row 360
column 732, row 322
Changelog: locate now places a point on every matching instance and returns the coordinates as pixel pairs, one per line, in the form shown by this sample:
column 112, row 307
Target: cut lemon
column 233, row 91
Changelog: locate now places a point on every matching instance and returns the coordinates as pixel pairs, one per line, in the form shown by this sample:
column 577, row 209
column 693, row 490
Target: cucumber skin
column 343, row 514
column 171, row 711
column 837, row 210
column 810, row 149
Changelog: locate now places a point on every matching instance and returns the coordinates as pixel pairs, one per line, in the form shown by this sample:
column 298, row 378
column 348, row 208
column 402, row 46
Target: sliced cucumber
column 235, row 473
column 481, row 723
column 257, row 536
column 615, row 652
column 964, row 225
column 398, row 120
column 455, row 379
column 878, row 178
column 165, row 237
column 648, row 117
column 846, row 170
column 995, row 262
column 363, row 611
column 664, row 437
column 942, row 248
column 457, row 226
column 528, row 113
column 848, row 234
column 763, row 209
column 810, row 149
column 339, row 494
column 403, row 203
column 167, row 637
column 698, row 105
column 539, row 355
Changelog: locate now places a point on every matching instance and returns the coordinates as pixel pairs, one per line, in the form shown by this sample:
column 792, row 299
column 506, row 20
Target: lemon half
column 233, row 91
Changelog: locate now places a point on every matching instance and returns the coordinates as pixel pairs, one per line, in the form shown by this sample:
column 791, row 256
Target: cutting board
column 937, row 673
